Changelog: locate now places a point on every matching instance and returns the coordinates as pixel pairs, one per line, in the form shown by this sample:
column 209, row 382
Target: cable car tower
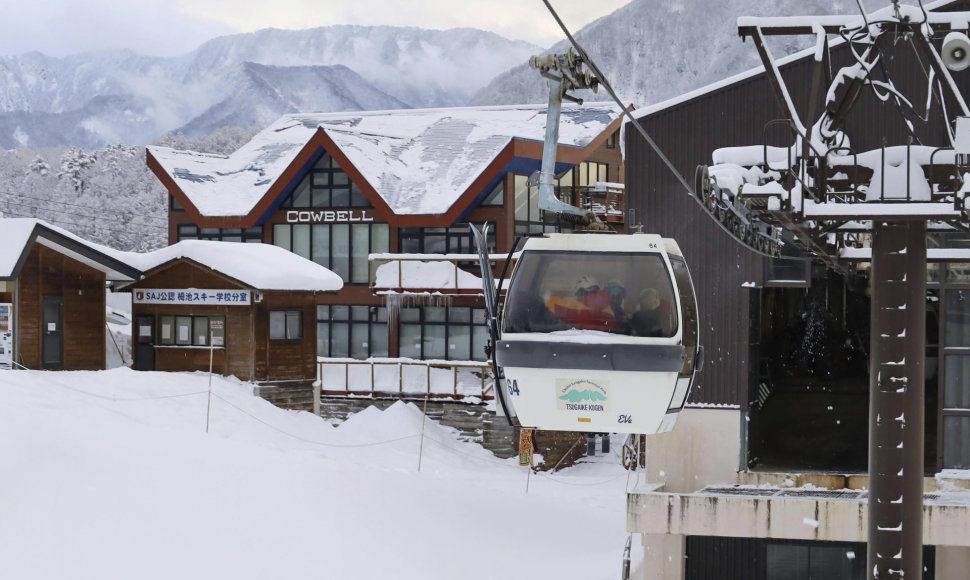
column 837, row 204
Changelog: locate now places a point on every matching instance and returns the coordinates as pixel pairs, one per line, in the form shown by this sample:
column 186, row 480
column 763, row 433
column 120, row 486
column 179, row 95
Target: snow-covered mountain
column 94, row 98
column 266, row 92
column 651, row 51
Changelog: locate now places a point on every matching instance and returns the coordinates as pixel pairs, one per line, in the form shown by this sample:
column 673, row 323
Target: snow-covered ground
column 111, row 474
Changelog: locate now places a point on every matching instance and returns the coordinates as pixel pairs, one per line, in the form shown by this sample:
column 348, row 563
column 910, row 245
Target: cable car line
column 733, row 218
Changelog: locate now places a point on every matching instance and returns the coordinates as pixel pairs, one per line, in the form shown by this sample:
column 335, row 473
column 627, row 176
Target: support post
column 896, row 400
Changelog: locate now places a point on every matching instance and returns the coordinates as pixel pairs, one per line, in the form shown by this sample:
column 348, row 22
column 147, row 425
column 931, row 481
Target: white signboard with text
column 6, row 335
column 191, row 296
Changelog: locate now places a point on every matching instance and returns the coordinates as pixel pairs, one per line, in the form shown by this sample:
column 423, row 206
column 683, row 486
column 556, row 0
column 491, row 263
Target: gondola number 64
column 514, row 387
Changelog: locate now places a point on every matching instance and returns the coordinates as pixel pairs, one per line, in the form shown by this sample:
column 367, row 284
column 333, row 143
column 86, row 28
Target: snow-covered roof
column 17, row 235
column 259, row 266
column 419, row 161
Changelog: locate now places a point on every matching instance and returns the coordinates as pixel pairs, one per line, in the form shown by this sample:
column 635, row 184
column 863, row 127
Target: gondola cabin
column 599, row 333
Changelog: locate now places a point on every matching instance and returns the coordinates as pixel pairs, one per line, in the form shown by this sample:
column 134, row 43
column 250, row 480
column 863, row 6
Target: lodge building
column 337, row 188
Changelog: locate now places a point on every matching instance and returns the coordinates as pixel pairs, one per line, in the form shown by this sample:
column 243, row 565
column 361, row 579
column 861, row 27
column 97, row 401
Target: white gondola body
column 583, row 379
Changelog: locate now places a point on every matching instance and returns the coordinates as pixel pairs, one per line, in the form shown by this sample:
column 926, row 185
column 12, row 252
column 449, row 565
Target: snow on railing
column 469, row 381
column 443, row 273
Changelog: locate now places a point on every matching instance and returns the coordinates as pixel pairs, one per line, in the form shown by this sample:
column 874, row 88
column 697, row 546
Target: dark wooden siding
column 50, row 273
column 735, row 115
column 286, row 360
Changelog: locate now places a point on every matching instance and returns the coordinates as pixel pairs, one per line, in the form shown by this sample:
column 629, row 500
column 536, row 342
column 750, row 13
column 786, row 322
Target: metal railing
column 405, row 378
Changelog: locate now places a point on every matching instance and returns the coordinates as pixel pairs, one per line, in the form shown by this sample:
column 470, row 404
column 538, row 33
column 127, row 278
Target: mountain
column 651, row 52
column 117, row 96
column 265, row 92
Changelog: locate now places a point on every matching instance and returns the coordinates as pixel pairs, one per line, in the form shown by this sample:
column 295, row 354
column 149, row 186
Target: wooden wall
column 286, row 360
column 50, row 273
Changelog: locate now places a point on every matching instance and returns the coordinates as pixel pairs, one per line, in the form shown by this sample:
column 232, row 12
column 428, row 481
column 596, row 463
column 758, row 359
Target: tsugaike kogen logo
column 582, row 395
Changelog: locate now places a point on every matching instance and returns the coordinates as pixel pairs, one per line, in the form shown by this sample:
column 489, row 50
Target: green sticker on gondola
column 583, row 395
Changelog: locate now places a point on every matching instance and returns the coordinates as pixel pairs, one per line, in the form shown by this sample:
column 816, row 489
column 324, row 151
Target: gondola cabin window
column 286, row 325
column 612, row 292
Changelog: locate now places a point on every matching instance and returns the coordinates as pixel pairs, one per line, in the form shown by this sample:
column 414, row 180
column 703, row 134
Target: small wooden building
column 52, row 297
column 250, row 307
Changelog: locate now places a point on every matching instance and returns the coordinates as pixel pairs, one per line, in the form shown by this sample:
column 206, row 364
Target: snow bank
column 110, row 475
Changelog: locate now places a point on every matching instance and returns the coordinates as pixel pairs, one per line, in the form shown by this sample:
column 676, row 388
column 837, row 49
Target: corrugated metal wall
column 735, row 115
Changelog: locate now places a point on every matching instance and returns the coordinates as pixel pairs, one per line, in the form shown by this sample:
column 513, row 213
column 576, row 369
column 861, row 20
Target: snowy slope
column 94, row 98
column 110, row 475
column 651, row 51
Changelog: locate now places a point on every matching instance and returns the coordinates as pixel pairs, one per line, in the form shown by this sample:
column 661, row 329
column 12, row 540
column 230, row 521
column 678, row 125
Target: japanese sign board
column 525, row 447
column 191, row 296
column 6, row 335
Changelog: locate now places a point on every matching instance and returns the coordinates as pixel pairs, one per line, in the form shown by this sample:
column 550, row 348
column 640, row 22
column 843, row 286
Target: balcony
column 424, row 274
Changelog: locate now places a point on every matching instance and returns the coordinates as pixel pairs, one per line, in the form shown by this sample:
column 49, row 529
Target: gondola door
column 144, row 343
column 52, row 348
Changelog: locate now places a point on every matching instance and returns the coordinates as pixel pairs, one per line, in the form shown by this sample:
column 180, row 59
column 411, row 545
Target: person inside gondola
column 617, row 293
column 649, row 319
column 531, row 315
column 589, row 309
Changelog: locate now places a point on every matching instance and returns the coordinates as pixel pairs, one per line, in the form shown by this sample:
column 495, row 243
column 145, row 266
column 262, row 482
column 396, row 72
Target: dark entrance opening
column 52, row 331
column 726, row 558
column 144, row 343
column 809, row 402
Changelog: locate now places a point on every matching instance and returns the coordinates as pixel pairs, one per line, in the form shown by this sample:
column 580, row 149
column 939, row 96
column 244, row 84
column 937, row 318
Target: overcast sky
column 175, row 27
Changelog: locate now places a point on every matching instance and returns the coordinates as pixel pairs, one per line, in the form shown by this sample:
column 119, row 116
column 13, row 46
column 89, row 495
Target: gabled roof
column 259, row 266
column 408, row 162
column 18, row 236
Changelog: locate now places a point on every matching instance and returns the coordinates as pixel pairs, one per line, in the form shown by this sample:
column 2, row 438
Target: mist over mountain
column 245, row 79
column 651, row 51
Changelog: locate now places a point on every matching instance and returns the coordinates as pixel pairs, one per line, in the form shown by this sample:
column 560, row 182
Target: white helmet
column 586, row 283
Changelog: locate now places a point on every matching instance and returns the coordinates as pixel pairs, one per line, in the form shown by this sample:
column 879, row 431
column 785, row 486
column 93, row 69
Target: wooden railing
column 606, row 200
column 405, row 378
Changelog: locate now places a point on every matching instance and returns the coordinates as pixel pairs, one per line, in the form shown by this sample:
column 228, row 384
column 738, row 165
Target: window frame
column 470, row 319
column 357, row 264
column 289, row 315
column 173, row 320
column 351, row 318
column 238, row 235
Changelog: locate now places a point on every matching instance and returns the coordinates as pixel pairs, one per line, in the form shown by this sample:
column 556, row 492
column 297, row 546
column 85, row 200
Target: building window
column 191, row 330
column 439, row 332
column 955, row 429
column 174, row 204
column 345, row 331
column 611, row 141
column 326, row 186
column 591, row 171
column 496, row 197
column 342, row 248
column 456, row 239
column 528, row 217
column 286, row 325
column 193, row 232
